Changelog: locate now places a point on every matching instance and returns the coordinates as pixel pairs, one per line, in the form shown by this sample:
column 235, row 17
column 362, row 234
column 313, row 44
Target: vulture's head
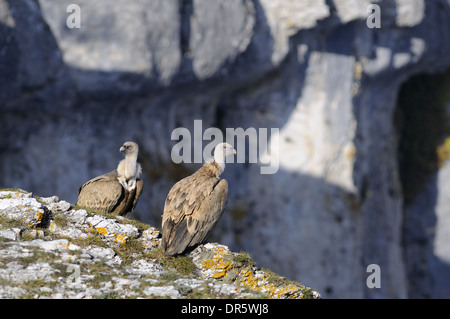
column 223, row 150
column 129, row 148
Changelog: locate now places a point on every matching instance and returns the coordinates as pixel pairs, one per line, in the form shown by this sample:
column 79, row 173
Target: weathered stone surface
column 83, row 255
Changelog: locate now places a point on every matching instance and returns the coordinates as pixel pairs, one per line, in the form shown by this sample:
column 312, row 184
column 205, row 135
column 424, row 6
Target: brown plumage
column 114, row 192
column 195, row 204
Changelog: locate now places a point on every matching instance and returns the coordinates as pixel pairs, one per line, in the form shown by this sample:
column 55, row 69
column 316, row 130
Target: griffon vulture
column 118, row 191
column 194, row 204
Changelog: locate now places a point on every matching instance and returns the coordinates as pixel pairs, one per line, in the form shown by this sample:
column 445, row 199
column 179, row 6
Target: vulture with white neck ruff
column 116, row 192
column 195, row 204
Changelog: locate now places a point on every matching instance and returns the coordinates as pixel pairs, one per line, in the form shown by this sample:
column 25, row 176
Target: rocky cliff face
column 312, row 69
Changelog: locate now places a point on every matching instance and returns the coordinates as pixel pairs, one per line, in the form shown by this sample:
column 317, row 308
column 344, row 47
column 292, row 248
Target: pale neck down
column 219, row 158
column 130, row 165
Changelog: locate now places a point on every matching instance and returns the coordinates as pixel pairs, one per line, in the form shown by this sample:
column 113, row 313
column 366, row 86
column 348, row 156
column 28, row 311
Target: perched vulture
column 194, row 204
column 118, row 191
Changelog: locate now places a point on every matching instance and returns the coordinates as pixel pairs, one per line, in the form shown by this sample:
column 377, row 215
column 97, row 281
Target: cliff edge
column 51, row 249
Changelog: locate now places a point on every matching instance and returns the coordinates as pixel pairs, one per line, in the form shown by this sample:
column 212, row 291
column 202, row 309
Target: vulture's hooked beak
column 122, row 149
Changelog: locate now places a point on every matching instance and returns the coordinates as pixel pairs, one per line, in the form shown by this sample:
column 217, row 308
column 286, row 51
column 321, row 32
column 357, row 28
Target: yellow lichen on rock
column 259, row 280
column 101, row 230
column 219, row 263
column 443, row 152
column 38, row 216
column 121, row 239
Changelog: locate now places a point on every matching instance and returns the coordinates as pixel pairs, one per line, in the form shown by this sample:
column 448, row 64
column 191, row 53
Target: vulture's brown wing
column 130, row 199
column 192, row 208
column 139, row 187
column 101, row 193
column 202, row 222
column 108, row 176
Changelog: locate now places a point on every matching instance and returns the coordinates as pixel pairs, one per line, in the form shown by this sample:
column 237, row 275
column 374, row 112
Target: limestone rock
column 79, row 254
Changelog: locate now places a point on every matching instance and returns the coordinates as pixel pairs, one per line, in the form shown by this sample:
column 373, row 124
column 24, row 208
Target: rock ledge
column 51, row 249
